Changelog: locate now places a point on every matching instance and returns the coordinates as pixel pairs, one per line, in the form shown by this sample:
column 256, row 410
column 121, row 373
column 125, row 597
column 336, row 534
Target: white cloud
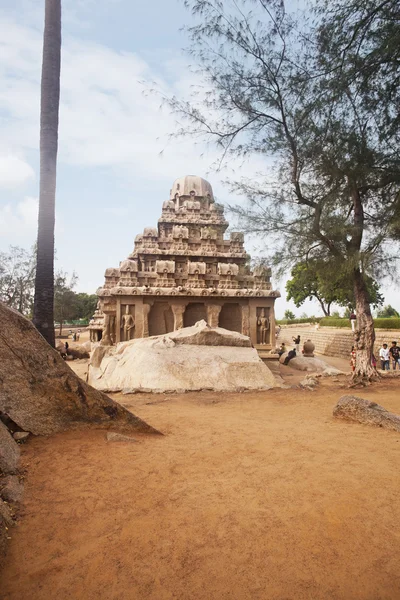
column 19, row 222
column 14, row 171
column 106, row 119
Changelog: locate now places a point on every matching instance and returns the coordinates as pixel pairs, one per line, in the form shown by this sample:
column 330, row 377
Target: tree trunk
column 364, row 336
column 61, row 324
column 326, row 312
column 43, row 311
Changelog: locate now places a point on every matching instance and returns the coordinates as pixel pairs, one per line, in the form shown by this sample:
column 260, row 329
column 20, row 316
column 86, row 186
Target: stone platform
column 190, row 359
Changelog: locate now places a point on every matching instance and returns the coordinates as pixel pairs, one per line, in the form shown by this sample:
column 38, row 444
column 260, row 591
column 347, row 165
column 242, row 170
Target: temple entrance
column 161, row 319
column 195, row 311
column 230, row 317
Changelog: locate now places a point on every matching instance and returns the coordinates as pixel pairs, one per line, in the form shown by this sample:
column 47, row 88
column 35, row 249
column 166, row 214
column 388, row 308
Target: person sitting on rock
column 291, row 354
column 282, row 349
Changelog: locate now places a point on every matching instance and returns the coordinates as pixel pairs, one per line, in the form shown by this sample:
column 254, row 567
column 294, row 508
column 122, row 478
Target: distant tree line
column 17, row 286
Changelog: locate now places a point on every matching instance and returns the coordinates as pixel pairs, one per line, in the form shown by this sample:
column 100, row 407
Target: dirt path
column 255, row 496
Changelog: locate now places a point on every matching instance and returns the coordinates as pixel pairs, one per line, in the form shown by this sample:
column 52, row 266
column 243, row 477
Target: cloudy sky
column 116, row 163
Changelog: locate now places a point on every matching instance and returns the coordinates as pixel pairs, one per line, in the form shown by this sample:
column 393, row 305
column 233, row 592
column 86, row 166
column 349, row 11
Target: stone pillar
column 178, row 310
column 246, row 319
column 106, row 338
column 146, row 310
column 272, row 326
column 213, row 311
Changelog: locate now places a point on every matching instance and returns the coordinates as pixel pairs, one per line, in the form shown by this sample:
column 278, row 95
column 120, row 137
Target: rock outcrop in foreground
column 39, row 391
column 363, row 411
column 188, row 359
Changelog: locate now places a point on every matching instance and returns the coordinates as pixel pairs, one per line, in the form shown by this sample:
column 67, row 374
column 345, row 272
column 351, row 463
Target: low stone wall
column 332, row 341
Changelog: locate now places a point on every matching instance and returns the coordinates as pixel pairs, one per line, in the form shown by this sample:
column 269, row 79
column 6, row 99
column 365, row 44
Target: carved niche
column 263, row 325
column 127, row 323
column 197, row 268
column 180, row 232
column 228, row 269
column 165, row 266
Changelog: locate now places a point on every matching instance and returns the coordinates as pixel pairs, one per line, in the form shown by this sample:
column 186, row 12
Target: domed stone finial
column 191, row 186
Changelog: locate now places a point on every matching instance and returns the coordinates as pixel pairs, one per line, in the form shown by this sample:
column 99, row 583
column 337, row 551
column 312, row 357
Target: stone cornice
column 180, row 291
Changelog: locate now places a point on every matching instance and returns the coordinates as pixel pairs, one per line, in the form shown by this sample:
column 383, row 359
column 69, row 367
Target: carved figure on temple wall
column 128, row 324
column 263, row 327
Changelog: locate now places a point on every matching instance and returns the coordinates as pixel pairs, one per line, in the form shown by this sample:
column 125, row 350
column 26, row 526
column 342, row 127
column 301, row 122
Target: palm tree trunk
column 43, row 311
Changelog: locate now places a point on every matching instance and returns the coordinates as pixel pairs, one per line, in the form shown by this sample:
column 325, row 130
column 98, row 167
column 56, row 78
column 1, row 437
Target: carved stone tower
column 184, row 271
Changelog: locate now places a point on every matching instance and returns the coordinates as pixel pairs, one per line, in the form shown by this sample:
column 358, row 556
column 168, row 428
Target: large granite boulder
column 9, row 451
column 363, row 411
column 310, row 364
column 39, row 391
column 192, row 358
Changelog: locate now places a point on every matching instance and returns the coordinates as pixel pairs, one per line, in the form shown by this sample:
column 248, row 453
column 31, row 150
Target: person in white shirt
column 384, row 355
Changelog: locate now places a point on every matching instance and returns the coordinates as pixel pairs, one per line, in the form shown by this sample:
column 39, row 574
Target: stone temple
column 184, row 271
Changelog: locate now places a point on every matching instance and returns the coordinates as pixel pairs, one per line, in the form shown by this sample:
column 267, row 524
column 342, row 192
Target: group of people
column 389, row 355
column 292, row 353
column 75, row 335
column 386, row 356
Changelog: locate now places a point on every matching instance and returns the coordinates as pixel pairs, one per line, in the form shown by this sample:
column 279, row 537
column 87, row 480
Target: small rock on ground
column 12, row 489
column 21, row 436
column 119, row 437
column 364, row 411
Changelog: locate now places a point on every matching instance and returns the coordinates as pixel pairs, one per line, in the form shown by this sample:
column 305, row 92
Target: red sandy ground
column 254, row 496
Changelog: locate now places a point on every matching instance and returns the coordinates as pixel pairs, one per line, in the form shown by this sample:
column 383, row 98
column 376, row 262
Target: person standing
column 353, row 320
column 297, row 343
column 353, row 358
column 384, row 355
column 394, row 352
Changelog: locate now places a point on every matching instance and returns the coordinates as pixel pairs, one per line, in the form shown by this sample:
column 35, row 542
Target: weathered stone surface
column 9, row 451
column 21, row 436
column 309, row 382
column 312, row 365
column 41, row 394
column 162, row 364
column 363, row 411
column 11, row 489
column 201, row 334
column 78, row 352
column 119, row 437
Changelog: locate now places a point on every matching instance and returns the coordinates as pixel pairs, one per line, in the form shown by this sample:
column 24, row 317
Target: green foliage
column 387, row 312
column 296, row 321
column 70, row 307
column 327, row 282
column 318, row 94
column 65, row 305
column 391, row 323
column 86, row 305
column 334, row 322
column 17, row 278
column 289, row 315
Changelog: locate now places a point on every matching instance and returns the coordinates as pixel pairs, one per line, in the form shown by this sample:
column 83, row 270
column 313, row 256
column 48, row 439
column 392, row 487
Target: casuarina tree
column 318, row 105
column 43, row 311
